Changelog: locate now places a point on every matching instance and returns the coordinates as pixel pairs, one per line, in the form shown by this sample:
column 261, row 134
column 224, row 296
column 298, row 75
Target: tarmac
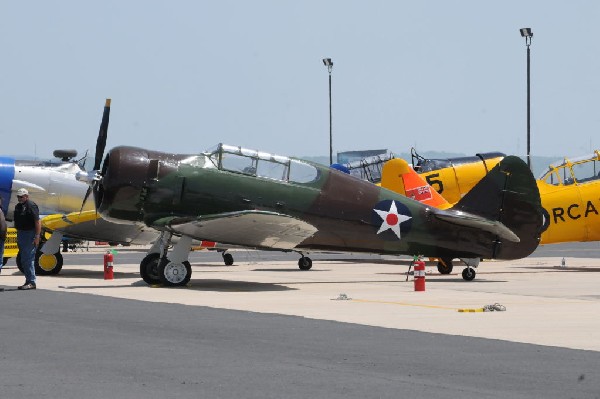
column 545, row 303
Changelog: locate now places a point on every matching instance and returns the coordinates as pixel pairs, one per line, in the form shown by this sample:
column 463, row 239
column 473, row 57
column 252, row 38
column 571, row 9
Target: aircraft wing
column 478, row 222
column 257, row 229
column 88, row 225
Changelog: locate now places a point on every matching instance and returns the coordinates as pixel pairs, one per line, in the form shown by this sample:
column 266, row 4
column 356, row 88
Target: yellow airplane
column 570, row 193
column 454, row 177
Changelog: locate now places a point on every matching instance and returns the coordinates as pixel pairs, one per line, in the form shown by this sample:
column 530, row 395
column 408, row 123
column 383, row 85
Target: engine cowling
column 128, row 174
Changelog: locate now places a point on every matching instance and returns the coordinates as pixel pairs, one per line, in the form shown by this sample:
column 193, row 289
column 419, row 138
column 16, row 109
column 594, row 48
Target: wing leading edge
column 258, row 229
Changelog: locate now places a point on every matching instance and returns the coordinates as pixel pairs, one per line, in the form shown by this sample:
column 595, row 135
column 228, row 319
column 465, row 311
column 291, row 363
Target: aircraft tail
column 509, row 199
column 399, row 177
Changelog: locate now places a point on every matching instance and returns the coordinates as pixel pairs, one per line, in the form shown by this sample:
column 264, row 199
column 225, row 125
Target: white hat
column 22, row 191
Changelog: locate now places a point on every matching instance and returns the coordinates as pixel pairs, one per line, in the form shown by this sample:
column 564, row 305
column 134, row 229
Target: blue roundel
column 392, row 219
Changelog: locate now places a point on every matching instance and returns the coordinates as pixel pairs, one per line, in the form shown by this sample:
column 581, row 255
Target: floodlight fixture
column 526, row 32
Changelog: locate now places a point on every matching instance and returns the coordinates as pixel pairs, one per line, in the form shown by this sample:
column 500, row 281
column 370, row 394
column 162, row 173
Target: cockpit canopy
column 261, row 164
column 576, row 170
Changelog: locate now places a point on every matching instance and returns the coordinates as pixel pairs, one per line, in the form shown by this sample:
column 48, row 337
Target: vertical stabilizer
column 508, row 194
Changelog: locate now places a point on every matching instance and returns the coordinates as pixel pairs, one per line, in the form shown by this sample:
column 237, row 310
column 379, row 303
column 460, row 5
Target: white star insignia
column 391, row 220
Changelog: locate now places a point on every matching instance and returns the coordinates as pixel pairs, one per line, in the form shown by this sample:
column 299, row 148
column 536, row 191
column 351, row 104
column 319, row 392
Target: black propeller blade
column 102, row 134
column 100, row 146
column 87, row 194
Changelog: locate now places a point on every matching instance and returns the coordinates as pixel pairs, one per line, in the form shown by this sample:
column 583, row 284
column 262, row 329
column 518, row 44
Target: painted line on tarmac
column 405, row 304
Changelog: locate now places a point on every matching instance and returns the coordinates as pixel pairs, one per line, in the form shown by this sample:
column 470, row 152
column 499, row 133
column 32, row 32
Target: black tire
column 228, row 259
column 172, row 274
column 305, row 263
column 149, row 269
column 48, row 264
column 5, row 261
column 468, row 274
column 445, row 266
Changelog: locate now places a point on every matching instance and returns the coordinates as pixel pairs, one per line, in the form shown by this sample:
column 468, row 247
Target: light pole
column 329, row 64
column 528, row 35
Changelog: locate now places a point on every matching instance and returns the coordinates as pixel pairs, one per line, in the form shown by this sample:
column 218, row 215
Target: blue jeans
column 27, row 250
column 1, row 252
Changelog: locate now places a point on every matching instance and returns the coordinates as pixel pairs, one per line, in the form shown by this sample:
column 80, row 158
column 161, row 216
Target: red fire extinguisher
column 108, row 266
column 419, row 275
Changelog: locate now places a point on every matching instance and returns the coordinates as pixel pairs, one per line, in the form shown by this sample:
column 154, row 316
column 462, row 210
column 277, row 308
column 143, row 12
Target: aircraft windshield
column 369, row 168
column 569, row 171
column 201, row 161
column 262, row 164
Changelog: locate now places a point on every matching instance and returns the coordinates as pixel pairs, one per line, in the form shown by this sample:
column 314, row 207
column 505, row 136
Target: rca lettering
column 572, row 212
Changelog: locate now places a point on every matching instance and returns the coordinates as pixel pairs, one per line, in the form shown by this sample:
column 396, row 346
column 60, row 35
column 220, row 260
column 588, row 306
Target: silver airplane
column 54, row 187
column 51, row 184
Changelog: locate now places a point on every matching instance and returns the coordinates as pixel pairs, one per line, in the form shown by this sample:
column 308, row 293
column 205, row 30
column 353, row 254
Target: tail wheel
column 47, row 264
column 305, row 263
column 468, row 274
column 149, row 269
column 445, row 266
column 174, row 273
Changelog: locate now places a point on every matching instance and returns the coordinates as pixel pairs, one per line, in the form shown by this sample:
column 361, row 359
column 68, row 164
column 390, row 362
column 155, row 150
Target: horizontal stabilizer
column 469, row 220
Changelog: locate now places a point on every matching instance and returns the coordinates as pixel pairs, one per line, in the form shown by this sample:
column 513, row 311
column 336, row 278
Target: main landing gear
column 48, row 259
column 157, row 268
column 445, row 266
column 171, row 269
column 45, row 264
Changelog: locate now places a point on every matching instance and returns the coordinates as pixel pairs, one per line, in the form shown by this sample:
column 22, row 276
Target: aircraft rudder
column 509, row 194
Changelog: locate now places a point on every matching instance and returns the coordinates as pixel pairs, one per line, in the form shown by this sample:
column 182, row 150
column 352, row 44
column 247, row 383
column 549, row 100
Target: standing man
column 27, row 223
column 2, row 234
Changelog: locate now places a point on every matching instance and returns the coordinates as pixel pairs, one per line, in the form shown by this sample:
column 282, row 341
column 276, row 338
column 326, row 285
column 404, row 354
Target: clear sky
column 186, row 75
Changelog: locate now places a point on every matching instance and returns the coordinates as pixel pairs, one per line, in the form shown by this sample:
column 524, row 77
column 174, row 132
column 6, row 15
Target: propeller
column 93, row 177
column 102, row 134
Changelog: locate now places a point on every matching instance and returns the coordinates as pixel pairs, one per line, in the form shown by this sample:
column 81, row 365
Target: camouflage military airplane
column 396, row 175
column 569, row 193
column 241, row 197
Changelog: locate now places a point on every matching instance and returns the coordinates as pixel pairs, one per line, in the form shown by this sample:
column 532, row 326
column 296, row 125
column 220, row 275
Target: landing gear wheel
column 228, row 259
column 48, row 264
column 4, row 261
column 149, row 269
column 445, row 266
column 468, row 274
column 174, row 273
column 305, row 263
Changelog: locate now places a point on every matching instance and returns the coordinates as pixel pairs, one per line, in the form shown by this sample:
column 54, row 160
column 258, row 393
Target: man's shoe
column 27, row 286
